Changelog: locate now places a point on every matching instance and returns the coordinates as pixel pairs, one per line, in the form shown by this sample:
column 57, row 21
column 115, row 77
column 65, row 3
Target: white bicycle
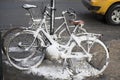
column 27, row 49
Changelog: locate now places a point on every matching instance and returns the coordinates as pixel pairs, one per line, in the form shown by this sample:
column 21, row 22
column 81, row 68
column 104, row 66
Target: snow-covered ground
column 54, row 71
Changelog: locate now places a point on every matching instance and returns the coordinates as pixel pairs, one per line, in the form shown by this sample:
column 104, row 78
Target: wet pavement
column 13, row 15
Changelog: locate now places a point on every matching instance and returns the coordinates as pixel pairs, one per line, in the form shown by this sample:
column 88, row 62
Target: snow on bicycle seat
column 29, row 6
column 77, row 22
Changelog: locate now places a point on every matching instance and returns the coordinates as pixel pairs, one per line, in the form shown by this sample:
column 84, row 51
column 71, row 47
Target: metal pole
column 1, row 68
column 52, row 19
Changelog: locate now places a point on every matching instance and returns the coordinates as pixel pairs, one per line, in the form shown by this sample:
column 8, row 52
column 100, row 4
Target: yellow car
column 109, row 8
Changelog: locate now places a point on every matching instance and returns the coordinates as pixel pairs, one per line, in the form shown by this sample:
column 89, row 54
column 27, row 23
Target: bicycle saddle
column 77, row 22
column 28, row 6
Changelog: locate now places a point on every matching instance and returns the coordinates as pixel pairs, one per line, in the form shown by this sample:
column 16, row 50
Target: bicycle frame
column 51, row 19
column 43, row 27
column 45, row 19
column 64, row 23
column 54, row 44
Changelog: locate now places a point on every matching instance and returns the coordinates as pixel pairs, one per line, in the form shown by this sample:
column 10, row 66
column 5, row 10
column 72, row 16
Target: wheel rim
column 99, row 59
column 21, row 58
column 116, row 16
column 8, row 35
column 94, row 65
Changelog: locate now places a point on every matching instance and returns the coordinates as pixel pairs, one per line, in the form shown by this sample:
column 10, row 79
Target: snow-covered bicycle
column 82, row 51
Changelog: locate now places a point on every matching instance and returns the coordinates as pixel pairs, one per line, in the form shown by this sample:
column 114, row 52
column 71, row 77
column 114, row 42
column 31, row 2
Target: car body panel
column 103, row 5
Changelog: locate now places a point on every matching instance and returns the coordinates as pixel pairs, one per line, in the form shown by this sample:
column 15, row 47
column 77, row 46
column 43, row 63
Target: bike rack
column 1, row 68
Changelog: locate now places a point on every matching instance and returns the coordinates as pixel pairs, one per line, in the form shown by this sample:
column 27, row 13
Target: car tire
column 113, row 15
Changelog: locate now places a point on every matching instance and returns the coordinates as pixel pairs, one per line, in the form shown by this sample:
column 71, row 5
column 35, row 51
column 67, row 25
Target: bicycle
column 27, row 49
column 14, row 31
column 34, row 24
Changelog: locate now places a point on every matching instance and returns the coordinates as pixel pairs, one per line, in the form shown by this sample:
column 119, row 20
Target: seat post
column 31, row 15
column 28, row 7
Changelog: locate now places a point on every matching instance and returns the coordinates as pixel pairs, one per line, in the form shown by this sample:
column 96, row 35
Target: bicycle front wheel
column 93, row 65
column 24, row 51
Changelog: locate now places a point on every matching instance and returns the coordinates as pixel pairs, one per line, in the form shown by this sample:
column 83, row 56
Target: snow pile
column 50, row 71
column 54, row 71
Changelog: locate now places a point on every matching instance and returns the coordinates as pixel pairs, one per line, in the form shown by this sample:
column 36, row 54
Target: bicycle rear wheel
column 24, row 51
column 7, row 35
column 90, row 66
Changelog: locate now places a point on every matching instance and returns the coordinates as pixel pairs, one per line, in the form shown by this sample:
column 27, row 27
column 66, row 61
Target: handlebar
column 70, row 12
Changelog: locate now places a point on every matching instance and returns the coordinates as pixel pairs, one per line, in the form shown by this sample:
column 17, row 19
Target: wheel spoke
column 92, row 65
column 21, row 58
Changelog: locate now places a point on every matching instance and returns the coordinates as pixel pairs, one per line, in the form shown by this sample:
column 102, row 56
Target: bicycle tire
column 17, row 54
column 90, row 66
column 6, row 36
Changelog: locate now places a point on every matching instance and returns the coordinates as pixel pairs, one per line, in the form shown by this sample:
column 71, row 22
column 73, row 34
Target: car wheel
column 113, row 15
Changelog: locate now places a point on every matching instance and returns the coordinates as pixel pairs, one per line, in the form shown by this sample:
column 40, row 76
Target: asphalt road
column 13, row 15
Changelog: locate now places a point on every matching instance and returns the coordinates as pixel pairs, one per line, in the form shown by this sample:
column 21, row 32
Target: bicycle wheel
column 6, row 36
column 90, row 66
column 24, row 51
